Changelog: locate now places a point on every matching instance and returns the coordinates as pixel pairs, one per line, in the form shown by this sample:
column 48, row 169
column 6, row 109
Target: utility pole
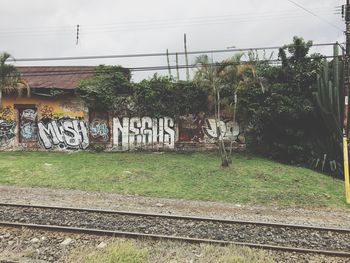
column 77, row 42
column 186, row 57
column 167, row 59
column 346, row 11
column 177, row 66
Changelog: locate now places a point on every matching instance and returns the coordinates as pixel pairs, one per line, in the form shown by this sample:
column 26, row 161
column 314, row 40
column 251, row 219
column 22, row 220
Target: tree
column 10, row 79
column 235, row 75
column 209, row 75
column 223, row 80
column 284, row 120
column 109, row 90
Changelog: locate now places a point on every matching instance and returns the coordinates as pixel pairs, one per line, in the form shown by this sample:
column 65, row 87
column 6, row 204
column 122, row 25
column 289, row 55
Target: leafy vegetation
column 10, row 80
column 110, row 89
column 284, row 119
column 329, row 100
column 163, row 96
column 222, row 81
column 208, row 75
column 197, row 176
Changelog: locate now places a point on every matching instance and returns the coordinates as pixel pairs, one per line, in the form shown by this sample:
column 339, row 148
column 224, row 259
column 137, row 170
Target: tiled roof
column 62, row 77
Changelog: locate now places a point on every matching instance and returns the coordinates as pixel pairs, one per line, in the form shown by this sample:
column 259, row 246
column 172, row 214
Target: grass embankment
column 195, row 176
column 164, row 252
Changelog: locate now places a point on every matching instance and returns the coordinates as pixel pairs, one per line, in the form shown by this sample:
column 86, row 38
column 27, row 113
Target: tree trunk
column 223, row 153
column 0, row 99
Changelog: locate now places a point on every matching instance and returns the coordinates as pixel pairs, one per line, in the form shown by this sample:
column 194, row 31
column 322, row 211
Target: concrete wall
column 63, row 123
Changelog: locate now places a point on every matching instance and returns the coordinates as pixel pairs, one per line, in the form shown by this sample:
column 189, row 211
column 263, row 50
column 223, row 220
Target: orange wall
column 69, row 106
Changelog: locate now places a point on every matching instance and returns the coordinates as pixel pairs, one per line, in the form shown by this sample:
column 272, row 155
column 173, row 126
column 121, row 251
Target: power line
column 158, row 54
column 319, row 17
column 155, row 68
column 145, row 23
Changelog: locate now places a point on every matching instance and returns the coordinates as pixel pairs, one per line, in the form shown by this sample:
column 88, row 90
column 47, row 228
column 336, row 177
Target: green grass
column 196, row 176
column 131, row 251
column 121, row 252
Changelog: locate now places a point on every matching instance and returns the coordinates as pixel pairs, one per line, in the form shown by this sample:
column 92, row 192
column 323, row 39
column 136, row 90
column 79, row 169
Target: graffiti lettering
column 228, row 130
column 28, row 130
column 7, row 132
column 29, row 114
column 28, row 127
column 66, row 133
column 130, row 133
column 99, row 130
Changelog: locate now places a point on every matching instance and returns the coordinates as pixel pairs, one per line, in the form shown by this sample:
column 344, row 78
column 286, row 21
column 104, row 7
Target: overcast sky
column 47, row 28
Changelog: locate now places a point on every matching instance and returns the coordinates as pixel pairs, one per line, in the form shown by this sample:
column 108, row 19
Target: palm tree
column 231, row 74
column 10, row 79
column 209, row 75
column 235, row 76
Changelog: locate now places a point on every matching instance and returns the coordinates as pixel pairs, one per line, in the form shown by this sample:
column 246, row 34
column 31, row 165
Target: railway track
column 283, row 237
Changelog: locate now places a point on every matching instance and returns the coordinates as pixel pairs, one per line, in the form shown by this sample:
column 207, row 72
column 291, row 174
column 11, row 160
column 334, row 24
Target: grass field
column 196, row 176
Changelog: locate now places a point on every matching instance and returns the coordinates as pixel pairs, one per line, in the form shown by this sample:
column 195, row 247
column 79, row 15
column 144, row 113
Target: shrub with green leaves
column 283, row 120
column 163, row 96
column 110, row 89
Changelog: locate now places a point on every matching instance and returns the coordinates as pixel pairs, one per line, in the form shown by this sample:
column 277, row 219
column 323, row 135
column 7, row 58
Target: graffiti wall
column 43, row 123
column 228, row 130
column 65, row 133
column 27, row 125
column 199, row 128
column 143, row 133
column 99, row 127
column 52, row 124
column 7, row 126
column 7, row 132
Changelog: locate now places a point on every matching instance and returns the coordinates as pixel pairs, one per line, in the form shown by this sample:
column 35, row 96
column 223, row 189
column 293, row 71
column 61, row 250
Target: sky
column 47, row 28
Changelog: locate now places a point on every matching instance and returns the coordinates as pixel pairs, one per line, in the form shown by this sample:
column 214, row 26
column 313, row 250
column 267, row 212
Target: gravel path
column 75, row 198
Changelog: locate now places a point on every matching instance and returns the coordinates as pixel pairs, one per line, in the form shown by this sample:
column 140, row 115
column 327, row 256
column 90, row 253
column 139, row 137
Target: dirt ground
column 76, row 198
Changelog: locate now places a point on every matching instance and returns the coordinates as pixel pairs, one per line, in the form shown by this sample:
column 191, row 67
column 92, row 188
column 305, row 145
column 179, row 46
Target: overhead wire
column 151, row 24
column 57, row 72
column 157, row 54
column 316, row 15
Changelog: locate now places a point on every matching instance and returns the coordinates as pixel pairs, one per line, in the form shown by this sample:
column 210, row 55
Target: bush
column 163, row 96
column 284, row 121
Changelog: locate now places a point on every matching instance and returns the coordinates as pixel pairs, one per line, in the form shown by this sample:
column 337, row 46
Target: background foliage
column 163, row 96
column 284, row 120
column 109, row 90
column 277, row 106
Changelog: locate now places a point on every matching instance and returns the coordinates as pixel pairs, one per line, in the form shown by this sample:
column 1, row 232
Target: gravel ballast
column 201, row 229
column 327, row 217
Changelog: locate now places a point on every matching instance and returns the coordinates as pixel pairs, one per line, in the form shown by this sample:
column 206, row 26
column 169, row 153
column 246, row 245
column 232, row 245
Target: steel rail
column 181, row 217
column 136, row 235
